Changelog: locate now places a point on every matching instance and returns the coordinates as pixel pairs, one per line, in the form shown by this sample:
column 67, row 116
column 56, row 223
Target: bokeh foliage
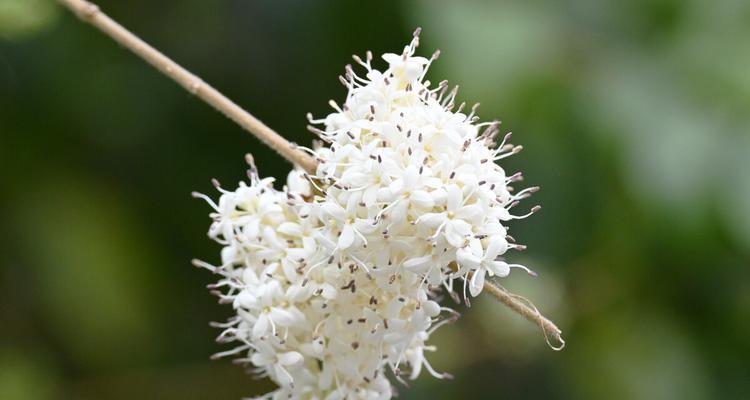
column 635, row 119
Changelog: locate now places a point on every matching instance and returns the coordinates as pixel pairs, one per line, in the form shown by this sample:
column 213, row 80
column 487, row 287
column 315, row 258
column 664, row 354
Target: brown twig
column 528, row 311
column 91, row 13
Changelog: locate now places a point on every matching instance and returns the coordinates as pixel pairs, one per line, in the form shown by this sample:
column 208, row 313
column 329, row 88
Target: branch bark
column 528, row 311
column 91, row 14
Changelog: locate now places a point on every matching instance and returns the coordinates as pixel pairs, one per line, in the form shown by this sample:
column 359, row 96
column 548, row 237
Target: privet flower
column 336, row 278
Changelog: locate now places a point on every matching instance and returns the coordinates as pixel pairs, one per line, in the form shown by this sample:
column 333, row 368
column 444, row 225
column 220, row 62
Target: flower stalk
column 91, row 14
column 527, row 310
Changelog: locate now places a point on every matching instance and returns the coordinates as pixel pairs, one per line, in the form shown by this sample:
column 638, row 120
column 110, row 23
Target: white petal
column 434, row 276
column 497, row 246
column 328, row 292
column 249, row 277
column 455, row 197
column 261, row 360
column 297, row 293
column 282, row 376
column 390, row 166
column 432, row 182
column 353, row 202
column 245, row 299
column 296, row 183
column 470, row 213
column 364, row 226
column 418, row 264
column 393, row 308
column 476, row 247
column 416, row 362
column 456, row 231
column 499, row 268
column 261, row 325
column 411, row 175
column 477, row 282
column 419, row 320
column 422, row 199
column 347, row 237
column 334, row 210
column 386, row 194
column 281, row 316
column 354, row 178
column 396, row 186
column 391, row 58
column 502, row 214
column 326, row 378
column 290, row 229
column 371, row 195
column 494, row 228
column 431, row 308
column 290, row 358
column 398, row 212
column 317, row 346
column 465, row 258
column 432, row 220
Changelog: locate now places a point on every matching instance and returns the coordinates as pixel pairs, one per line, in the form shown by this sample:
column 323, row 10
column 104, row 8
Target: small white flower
column 481, row 261
column 456, row 220
column 277, row 363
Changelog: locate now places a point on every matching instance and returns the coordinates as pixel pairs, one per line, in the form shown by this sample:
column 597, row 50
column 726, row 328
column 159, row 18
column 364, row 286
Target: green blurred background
column 635, row 117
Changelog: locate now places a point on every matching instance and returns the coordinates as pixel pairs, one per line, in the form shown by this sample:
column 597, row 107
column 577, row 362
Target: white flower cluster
column 335, row 279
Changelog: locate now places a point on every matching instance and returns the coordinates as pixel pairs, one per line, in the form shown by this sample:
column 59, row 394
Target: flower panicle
column 335, row 278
